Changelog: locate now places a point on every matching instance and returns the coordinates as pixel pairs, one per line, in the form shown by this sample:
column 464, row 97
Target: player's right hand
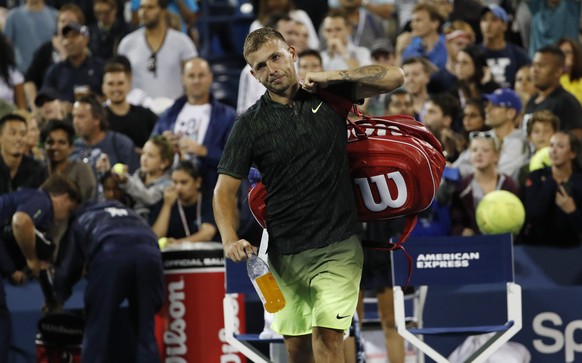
column 238, row 250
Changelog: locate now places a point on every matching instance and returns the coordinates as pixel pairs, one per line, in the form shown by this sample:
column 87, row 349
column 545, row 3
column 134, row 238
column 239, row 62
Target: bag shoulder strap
column 410, row 222
column 342, row 106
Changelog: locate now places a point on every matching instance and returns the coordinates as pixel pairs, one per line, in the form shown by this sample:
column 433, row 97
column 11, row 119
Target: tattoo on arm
column 366, row 74
column 370, row 73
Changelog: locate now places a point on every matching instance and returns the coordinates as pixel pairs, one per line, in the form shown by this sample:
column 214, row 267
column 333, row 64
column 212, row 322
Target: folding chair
column 460, row 261
column 237, row 283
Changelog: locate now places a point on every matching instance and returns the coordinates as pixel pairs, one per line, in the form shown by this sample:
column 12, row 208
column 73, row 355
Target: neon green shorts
column 320, row 286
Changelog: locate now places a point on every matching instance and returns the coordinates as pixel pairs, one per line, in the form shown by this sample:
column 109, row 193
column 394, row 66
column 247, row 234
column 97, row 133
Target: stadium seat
column 458, row 261
column 237, row 284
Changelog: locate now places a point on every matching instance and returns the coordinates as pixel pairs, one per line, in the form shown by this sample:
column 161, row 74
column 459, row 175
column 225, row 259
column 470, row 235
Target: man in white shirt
column 157, row 52
column 341, row 53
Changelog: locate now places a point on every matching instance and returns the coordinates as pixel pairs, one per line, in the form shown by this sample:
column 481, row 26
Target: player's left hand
column 314, row 81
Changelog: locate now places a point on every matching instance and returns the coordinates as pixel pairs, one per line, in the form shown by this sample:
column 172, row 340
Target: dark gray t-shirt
column 301, row 154
column 561, row 103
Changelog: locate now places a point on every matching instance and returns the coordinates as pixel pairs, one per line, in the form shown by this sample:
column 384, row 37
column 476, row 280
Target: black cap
column 81, row 29
column 381, row 46
column 46, row 95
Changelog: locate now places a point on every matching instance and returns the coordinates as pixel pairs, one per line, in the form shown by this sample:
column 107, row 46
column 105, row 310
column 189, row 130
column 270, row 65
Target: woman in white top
column 267, row 8
column 11, row 80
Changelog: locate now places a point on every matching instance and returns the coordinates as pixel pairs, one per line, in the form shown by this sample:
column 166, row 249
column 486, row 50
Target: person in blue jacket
column 197, row 124
column 24, row 216
column 120, row 255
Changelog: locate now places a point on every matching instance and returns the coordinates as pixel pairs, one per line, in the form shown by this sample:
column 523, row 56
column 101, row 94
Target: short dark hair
column 448, row 104
column 189, row 168
column 257, row 38
column 119, row 60
column 114, row 68
column 58, row 184
column 11, row 117
column 97, row 110
column 275, row 18
column 54, row 125
column 397, row 92
column 556, row 53
column 310, row 52
column 479, row 103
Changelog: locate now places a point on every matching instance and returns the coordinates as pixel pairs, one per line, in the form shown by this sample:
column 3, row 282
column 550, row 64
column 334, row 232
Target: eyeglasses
column 485, row 135
column 152, row 63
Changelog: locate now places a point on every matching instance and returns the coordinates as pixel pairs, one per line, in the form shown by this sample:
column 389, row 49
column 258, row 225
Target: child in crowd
column 180, row 216
column 146, row 185
column 484, row 149
column 110, row 189
column 540, row 128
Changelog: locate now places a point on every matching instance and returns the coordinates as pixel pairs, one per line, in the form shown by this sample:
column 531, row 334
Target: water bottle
column 265, row 284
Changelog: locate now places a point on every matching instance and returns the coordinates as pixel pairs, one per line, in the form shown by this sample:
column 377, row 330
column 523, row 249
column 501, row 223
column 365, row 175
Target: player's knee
column 299, row 349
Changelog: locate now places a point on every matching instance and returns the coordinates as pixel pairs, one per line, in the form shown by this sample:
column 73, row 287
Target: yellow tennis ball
column 540, row 159
column 119, row 169
column 163, row 242
column 500, row 212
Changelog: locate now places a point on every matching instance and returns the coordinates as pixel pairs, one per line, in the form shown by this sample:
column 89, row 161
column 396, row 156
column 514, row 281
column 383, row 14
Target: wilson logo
column 375, row 130
column 387, row 200
column 175, row 337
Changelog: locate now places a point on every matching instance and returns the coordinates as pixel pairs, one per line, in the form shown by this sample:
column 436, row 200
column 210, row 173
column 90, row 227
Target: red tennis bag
column 396, row 165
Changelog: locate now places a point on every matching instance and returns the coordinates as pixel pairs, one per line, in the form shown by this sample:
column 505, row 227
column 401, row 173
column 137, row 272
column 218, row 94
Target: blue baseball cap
column 497, row 10
column 505, row 97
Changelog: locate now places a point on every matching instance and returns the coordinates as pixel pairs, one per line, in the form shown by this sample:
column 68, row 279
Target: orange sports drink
column 265, row 284
column 272, row 298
